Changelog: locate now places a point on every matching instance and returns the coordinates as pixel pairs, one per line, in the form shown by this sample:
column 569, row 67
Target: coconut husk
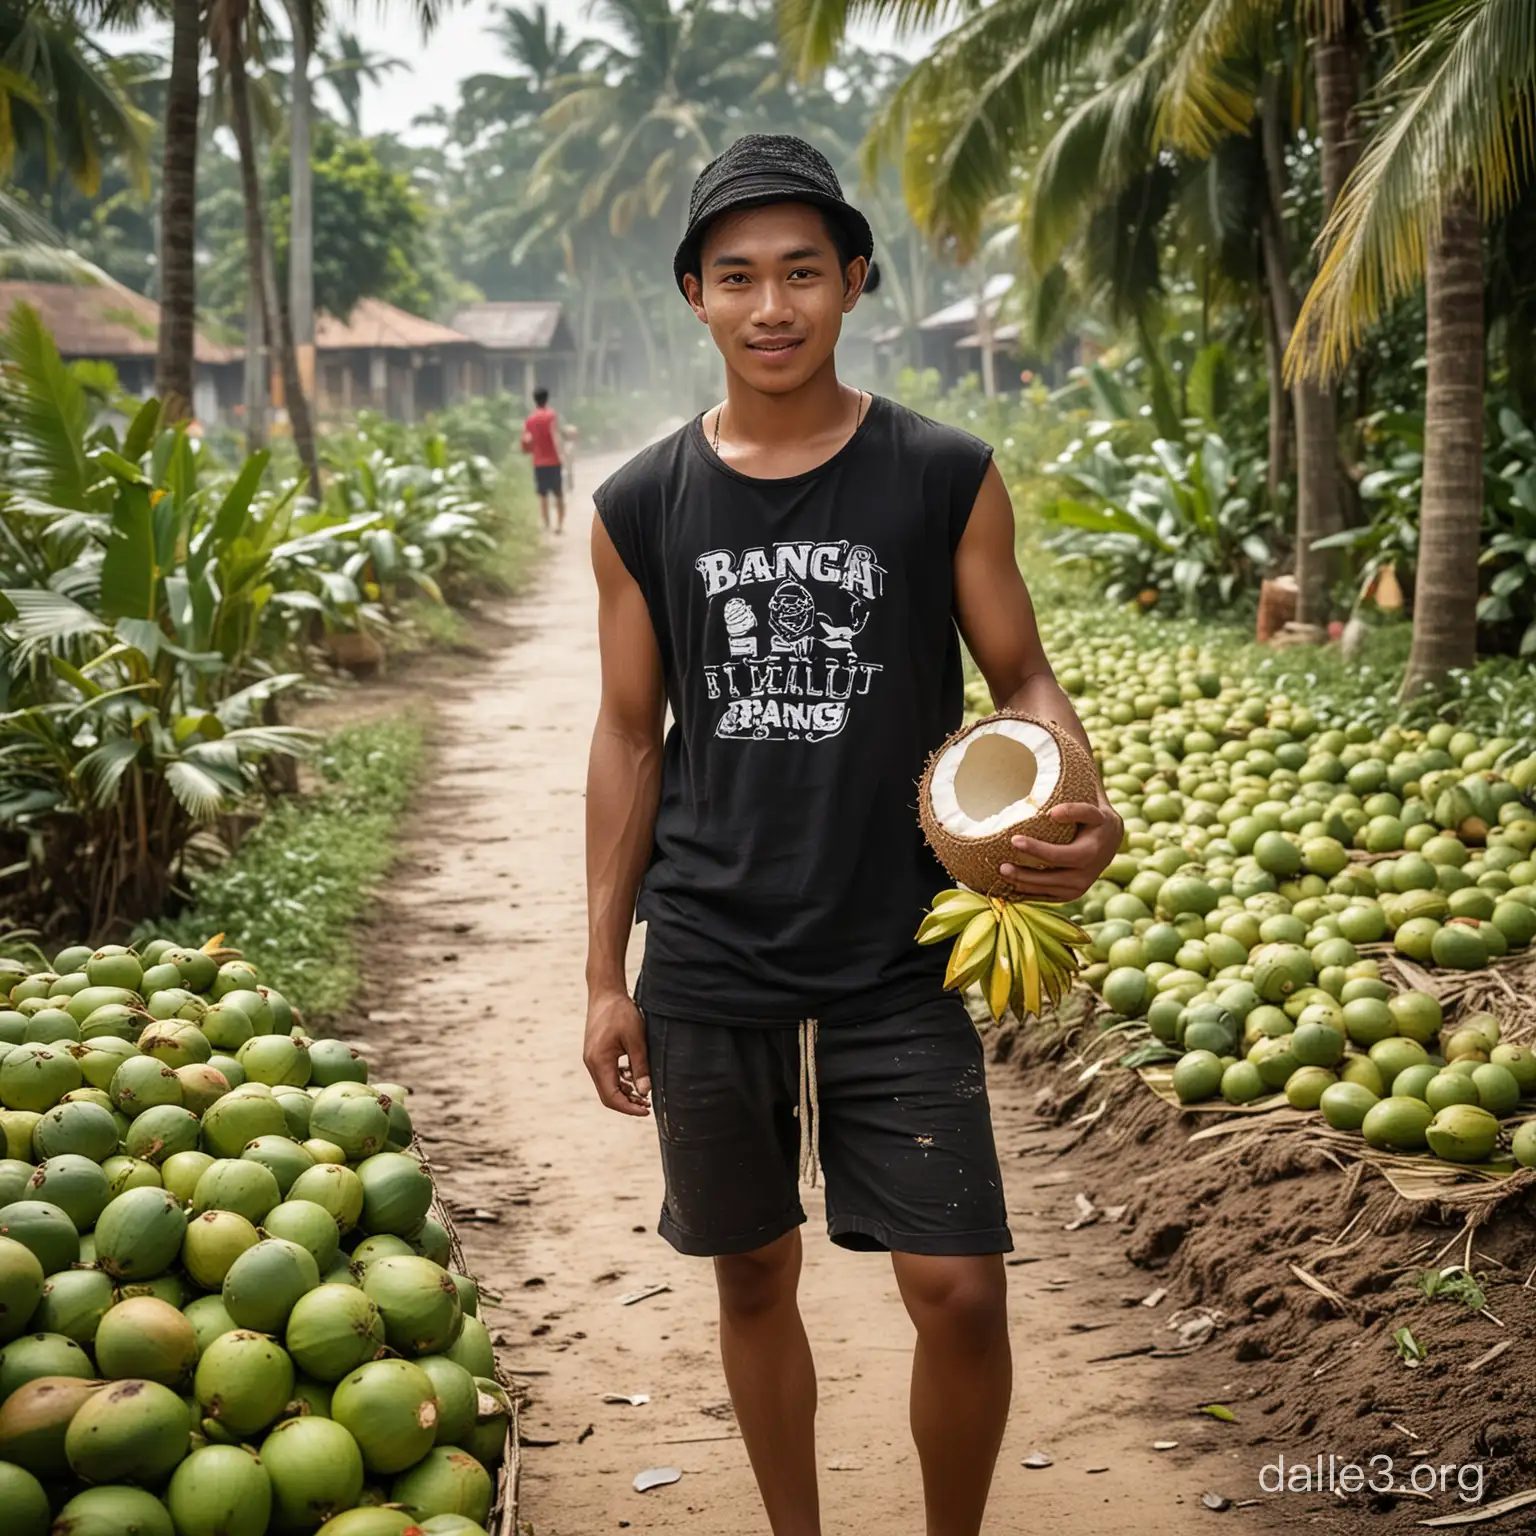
column 974, row 861
column 503, row 1519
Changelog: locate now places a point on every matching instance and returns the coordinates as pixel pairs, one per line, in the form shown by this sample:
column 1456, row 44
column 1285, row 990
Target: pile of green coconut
column 224, row 1305
column 1290, row 895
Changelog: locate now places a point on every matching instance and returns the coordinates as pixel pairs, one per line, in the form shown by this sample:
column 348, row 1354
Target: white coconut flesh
column 1002, row 773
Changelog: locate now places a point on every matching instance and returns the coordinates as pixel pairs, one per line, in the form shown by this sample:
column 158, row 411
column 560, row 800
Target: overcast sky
column 459, row 46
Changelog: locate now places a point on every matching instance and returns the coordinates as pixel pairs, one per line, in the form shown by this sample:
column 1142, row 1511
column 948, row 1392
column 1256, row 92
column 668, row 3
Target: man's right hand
column 614, row 1053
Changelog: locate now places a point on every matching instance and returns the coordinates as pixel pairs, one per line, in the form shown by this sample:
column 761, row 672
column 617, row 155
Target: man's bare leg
column 560, row 511
column 962, row 1379
column 544, row 510
column 772, row 1378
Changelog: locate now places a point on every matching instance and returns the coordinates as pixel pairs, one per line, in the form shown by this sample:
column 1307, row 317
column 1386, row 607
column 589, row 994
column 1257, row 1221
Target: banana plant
column 132, row 689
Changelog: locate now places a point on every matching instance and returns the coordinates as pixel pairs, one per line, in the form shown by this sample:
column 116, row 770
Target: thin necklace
column 864, row 398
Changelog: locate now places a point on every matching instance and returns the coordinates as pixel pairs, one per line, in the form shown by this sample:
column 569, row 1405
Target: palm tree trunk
column 1279, row 464
column 255, row 232
column 178, row 216
column 1317, row 488
column 256, row 378
column 301, row 234
column 1451, row 509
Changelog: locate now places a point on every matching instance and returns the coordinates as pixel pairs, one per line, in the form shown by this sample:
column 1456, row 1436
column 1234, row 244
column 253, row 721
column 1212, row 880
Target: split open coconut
column 996, row 780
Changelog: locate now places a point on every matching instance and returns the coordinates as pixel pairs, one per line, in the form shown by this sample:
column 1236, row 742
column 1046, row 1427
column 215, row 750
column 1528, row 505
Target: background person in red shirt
column 540, row 438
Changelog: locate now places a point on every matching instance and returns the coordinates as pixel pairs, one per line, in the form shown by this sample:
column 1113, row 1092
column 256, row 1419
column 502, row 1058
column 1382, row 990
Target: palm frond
column 101, row 770
column 1463, row 120
column 813, row 30
column 44, row 618
column 197, row 790
column 1211, row 82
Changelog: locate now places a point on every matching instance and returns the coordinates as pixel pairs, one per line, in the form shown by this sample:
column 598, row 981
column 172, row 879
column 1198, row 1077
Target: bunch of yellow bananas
column 1016, row 950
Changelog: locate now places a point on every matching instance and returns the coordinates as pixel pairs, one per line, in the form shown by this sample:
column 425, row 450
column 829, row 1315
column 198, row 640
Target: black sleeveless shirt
column 807, row 636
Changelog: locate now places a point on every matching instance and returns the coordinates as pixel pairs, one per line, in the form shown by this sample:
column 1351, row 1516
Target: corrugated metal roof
column 531, row 325
column 103, row 320
column 964, row 311
column 375, row 324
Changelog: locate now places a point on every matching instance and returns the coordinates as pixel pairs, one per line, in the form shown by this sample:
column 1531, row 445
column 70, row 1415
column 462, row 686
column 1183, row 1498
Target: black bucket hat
column 764, row 168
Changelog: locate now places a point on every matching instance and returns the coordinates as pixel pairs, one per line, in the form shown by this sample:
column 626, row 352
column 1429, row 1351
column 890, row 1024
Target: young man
column 792, row 573
column 541, row 439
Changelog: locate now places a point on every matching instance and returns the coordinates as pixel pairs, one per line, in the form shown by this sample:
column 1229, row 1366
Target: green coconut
column 34, row 1420
column 36, row 1076
column 231, row 1184
column 100, row 1058
column 141, row 1082
column 180, row 1172
column 169, row 1288
column 316, row 1470
column 115, row 1511
column 52, row 1026
column 36, row 1355
column 309, row 1225
column 452, row 1525
column 233, row 1072
column 148, row 1338
column 199, row 971
column 419, row 1303
column 264, row 1282
column 80, row 1129
column 254, row 1006
column 456, row 1398
column 76, row 1185
column 368, row 1522
column 130, row 1430
column 17, row 1127
column 274, row 1059
column 401, row 1131
column 209, row 1321
column 353, row 1116
column 238, row 1119
column 157, row 977
column 176, row 1003
column 384, row 1246
column 325, row 1152
column 176, row 1044
column 397, row 1193
column 213, row 1241
column 244, row 1381
column 140, row 1234
column 161, row 1132
column 24, row 1502
column 125, row 1173
column 202, row 1086
column 220, row 1490
column 279, row 1008
column 333, row 1330
column 226, row 1029
column 1463, row 1133
column 286, row 1158
column 73, row 1303
column 86, row 1002
column 487, row 1442
column 13, row 1027
column 297, row 1107
column 14, row 1178
column 115, row 966
column 334, row 1061
column 447, row 1481
column 335, row 1188
column 390, row 1409
column 43, row 1228
column 21, row 1286
column 113, row 1021
column 472, row 1349
column 469, row 1294
column 432, row 1242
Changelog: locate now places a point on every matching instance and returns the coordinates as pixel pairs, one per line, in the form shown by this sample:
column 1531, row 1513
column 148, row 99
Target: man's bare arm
column 997, row 619
column 623, row 786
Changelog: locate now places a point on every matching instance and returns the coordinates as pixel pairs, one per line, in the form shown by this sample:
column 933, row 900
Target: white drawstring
column 810, row 1104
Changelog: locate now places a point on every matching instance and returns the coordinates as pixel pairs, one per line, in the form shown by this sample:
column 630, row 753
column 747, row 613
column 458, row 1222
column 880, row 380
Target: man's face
column 773, row 294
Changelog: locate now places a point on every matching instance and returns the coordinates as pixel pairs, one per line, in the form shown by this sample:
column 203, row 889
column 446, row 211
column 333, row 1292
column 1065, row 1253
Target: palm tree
column 1075, row 105
column 346, row 67
column 544, row 52
column 1453, row 148
column 178, row 214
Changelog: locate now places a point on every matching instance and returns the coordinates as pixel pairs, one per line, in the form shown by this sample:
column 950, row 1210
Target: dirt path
column 481, row 942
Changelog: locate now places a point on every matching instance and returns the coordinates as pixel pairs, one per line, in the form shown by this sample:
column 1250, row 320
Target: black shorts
column 546, row 479
column 905, row 1137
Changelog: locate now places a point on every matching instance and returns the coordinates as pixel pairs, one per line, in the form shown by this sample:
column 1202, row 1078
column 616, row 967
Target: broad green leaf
column 141, row 430
column 101, row 770
column 128, row 567
column 75, row 677
column 143, row 635
column 230, row 520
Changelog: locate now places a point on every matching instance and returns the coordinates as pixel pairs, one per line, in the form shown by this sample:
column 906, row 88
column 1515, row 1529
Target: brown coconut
column 998, row 771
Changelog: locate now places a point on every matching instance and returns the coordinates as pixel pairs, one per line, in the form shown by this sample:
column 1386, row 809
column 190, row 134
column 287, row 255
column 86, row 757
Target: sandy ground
column 478, row 1006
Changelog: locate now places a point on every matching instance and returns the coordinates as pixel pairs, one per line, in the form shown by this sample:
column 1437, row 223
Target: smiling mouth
column 774, row 348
